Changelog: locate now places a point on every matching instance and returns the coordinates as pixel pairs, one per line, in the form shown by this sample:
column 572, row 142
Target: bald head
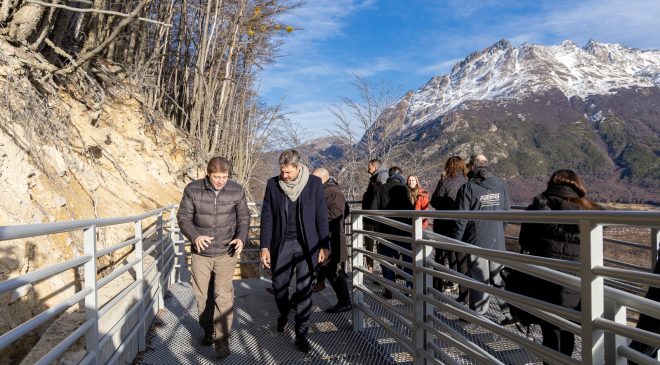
column 322, row 173
column 478, row 161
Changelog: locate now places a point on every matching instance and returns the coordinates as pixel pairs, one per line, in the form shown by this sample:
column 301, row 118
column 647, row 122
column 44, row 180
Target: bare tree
column 195, row 61
column 369, row 126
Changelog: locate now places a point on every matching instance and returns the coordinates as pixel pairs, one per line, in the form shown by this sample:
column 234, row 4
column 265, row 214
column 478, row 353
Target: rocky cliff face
column 60, row 160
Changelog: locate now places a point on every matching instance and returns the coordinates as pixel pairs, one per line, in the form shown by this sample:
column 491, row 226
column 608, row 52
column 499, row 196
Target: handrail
column 601, row 304
column 35, row 230
column 89, row 292
column 632, row 218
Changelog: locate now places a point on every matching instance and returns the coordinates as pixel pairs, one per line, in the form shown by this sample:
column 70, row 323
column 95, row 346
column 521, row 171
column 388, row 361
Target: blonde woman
column 419, row 197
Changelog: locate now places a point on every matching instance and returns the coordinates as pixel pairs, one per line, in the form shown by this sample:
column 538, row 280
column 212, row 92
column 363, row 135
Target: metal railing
column 161, row 241
column 601, row 322
column 146, row 291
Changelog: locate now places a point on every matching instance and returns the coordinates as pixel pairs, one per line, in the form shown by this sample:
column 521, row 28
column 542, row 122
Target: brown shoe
column 318, row 287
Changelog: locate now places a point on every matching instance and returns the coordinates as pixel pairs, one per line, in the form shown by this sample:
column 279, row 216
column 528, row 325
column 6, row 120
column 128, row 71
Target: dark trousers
column 648, row 323
column 557, row 339
column 457, row 261
column 291, row 256
column 336, row 275
column 388, row 251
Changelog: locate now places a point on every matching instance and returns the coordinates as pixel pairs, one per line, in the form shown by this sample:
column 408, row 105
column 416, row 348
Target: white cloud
column 631, row 22
column 320, row 20
column 314, row 118
column 439, row 68
column 372, row 68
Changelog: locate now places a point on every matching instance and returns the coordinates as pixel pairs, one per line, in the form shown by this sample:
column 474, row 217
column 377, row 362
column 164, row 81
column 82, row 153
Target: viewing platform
column 153, row 320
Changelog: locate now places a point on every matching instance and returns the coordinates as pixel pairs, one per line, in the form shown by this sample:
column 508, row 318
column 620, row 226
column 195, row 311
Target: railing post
column 179, row 248
column 161, row 261
column 358, row 277
column 171, row 241
column 592, row 288
column 617, row 313
column 655, row 242
column 139, row 277
column 91, row 299
column 419, row 286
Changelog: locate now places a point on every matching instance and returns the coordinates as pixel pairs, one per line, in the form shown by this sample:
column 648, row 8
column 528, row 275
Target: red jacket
column 422, row 203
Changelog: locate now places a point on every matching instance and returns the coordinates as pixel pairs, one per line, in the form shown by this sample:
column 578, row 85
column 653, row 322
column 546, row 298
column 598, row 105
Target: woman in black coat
column 443, row 198
column 565, row 191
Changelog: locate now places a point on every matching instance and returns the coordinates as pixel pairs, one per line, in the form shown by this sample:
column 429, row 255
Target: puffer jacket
column 444, row 198
column 378, row 178
column 557, row 241
column 224, row 216
column 393, row 195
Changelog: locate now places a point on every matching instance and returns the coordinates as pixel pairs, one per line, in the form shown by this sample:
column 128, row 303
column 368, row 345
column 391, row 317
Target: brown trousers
column 212, row 285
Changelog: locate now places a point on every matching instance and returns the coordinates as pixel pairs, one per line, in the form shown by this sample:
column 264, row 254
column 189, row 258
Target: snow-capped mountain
column 503, row 72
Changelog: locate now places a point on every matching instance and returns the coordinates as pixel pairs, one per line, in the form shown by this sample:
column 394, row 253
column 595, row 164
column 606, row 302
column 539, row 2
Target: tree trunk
column 25, row 22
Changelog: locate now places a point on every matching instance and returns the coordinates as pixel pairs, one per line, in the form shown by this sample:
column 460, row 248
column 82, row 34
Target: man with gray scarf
column 294, row 235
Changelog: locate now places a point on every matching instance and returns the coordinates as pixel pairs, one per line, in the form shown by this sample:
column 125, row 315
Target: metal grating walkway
column 176, row 335
column 501, row 348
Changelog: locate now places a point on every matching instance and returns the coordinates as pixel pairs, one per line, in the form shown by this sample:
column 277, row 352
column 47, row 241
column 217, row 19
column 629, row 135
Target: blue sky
column 406, row 42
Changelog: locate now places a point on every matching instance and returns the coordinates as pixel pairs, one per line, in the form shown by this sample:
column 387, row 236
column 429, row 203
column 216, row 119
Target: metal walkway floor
column 176, row 335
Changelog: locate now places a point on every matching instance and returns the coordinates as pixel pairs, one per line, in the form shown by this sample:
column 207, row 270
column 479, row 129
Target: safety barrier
column 601, row 323
column 146, row 291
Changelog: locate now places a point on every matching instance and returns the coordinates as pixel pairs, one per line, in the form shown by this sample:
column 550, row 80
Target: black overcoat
column 312, row 219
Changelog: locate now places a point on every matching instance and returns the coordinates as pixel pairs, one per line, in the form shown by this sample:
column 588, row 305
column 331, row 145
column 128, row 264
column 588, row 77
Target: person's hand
column 265, row 257
column 324, row 254
column 236, row 246
column 202, row 242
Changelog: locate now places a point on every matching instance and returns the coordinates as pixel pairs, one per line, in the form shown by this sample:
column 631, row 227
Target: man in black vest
column 294, row 235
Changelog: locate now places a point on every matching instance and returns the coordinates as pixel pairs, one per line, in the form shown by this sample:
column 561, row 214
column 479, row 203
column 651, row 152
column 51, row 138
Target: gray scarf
column 292, row 189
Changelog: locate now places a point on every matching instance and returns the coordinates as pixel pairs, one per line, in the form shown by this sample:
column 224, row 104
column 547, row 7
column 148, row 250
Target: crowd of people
column 302, row 237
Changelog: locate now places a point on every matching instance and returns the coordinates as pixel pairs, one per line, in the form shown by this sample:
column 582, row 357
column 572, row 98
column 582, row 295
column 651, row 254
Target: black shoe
column 222, row 349
column 208, row 338
column 281, row 323
column 302, row 344
column 338, row 308
column 387, row 294
column 507, row 321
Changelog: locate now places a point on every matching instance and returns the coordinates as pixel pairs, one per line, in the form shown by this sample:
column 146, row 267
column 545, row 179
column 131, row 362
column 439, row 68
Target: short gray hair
column 290, row 157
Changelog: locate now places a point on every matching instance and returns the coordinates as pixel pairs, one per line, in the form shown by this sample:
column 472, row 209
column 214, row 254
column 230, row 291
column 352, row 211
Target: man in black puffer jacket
column 483, row 192
column 214, row 216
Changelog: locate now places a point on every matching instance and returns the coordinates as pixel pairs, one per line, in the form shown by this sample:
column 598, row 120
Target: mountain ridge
column 535, row 109
column 502, row 71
